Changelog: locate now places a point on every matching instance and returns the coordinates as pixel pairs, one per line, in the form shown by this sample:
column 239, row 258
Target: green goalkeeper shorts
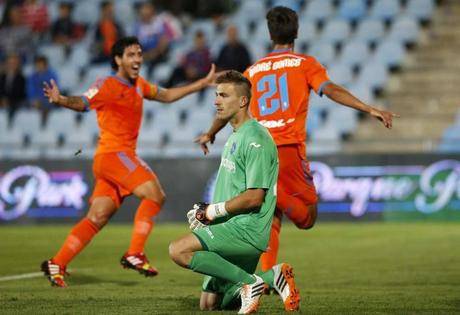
column 224, row 240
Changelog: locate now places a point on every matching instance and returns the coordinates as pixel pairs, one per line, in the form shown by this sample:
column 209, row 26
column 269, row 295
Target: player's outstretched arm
column 210, row 136
column 174, row 94
column 343, row 96
column 51, row 91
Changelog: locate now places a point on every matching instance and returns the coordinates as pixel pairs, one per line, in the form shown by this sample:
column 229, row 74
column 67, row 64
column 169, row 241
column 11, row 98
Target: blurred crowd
column 27, row 25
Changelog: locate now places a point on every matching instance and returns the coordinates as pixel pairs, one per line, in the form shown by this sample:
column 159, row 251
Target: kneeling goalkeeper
column 229, row 235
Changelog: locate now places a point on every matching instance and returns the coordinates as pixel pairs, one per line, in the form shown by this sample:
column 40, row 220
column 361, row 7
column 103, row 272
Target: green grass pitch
column 371, row 268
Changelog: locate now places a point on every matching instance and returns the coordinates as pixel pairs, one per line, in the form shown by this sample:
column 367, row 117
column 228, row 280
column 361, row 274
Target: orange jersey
column 118, row 105
column 281, row 84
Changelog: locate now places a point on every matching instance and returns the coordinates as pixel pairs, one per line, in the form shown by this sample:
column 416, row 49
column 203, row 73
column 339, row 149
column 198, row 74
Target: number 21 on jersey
column 269, row 85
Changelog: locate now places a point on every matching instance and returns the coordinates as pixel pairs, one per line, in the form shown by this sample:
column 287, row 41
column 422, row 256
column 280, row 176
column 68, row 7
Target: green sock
column 211, row 264
column 268, row 277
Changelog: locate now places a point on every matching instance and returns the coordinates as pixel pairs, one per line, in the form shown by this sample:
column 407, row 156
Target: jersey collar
column 281, row 50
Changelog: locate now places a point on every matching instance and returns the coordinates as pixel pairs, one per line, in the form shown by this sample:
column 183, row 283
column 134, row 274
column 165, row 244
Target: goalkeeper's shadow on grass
column 78, row 280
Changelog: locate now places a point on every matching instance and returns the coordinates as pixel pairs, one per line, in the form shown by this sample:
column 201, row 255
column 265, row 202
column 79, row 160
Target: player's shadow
column 87, row 279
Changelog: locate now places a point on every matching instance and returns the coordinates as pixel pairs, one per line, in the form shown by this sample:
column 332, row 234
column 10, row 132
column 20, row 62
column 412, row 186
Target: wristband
column 216, row 210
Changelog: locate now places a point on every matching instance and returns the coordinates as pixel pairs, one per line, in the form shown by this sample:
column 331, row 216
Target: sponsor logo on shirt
column 232, row 150
column 209, row 232
column 255, row 145
column 275, row 123
column 91, row 92
column 228, row 165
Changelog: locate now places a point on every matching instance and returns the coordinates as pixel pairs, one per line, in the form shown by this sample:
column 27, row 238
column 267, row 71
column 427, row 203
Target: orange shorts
column 295, row 179
column 118, row 174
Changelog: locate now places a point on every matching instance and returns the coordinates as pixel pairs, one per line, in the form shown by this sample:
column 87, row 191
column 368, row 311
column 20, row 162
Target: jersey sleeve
column 259, row 159
column 97, row 94
column 316, row 75
column 149, row 90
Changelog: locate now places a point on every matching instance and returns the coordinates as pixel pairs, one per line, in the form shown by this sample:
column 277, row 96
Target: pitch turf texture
column 340, row 269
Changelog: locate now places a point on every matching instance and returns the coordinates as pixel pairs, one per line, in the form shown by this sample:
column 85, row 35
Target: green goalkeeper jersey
column 249, row 160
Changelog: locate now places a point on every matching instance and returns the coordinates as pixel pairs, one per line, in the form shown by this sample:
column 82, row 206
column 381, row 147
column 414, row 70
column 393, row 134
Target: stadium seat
column 89, row 122
column 370, row 31
column 340, row 73
column 80, row 55
column 324, row 52
column 405, row 29
column 257, row 50
column 336, row 31
column 54, row 53
column 362, row 91
column 261, row 35
column 204, row 25
column 385, row 10
column 420, row 9
column 69, row 77
column 354, row 53
column 3, row 120
column 27, row 120
column 251, row 11
column 374, row 74
column 352, row 10
column 344, row 118
column 325, row 140
column 292, row 4
column 318, row 10
column 86, row 11
column 314, row 119
column 307, row 32
column 62, row 119
column 390, row 53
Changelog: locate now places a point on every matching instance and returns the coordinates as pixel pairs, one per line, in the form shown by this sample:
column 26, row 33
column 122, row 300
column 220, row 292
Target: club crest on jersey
column 232, row 150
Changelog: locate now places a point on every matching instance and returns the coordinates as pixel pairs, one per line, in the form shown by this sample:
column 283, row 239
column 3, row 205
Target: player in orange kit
column 118, row 101
column 281, row 85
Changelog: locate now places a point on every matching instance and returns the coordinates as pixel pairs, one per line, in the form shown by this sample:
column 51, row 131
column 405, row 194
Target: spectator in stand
column 42, row 73
column 12, row 86
column 234, row 54
column 35, row 15
column 15, row 37
column 65, row 30
column 196, row 63
column 108, row 31
column 152, row 34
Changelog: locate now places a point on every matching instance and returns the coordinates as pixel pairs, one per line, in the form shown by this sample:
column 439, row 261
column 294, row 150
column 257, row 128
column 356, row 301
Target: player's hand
column 203, row 141
column 193, row 217
column 200, row 213
column 210, row 79
column 385, row 117
column 51, row 91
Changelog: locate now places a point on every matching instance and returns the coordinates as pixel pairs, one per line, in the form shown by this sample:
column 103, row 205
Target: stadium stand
column 361, row 42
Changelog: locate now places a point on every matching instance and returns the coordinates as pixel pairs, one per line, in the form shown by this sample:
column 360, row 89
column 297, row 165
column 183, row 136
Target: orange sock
column 268, row 258
column 79, row 237
column 143, row 224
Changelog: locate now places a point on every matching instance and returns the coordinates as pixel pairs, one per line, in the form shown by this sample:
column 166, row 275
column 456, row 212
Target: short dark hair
column 283, row 24
column 119, row 48
column 236, row 78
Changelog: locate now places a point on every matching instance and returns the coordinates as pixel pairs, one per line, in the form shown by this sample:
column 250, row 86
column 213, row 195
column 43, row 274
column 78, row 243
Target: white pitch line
column 25, row 276
column 22, row 276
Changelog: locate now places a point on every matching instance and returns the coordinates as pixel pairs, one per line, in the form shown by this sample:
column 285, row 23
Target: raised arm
column 341, row 95
column 210, row 136
column 51, row 91
column 174, row 94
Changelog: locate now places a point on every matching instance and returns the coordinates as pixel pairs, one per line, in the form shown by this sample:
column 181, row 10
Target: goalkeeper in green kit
column 229, row 235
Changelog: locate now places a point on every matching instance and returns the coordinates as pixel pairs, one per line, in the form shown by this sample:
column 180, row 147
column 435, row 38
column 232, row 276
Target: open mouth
column 136, row 68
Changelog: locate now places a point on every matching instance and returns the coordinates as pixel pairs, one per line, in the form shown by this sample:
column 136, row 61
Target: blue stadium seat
column 340, row 73
column 352, row 10
column 292, row 4
column 344, row 118
column 324, row 52
column 374, row 74
column 307, row 31
column 370, row 30
column 261, row 35
column 86, row 12
column 54, row 53
column 420, row 9
column 362, row 91
column 354, row 53
column 405, row 29
column 390, row 53
column 256, row 50
column 336, row 31
column 69, row 77
column 325, row 140
column 385, row 10
column 80, row 55
column 251, row 10
column 206, row 26
column 314, row 120
column 318, row 10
